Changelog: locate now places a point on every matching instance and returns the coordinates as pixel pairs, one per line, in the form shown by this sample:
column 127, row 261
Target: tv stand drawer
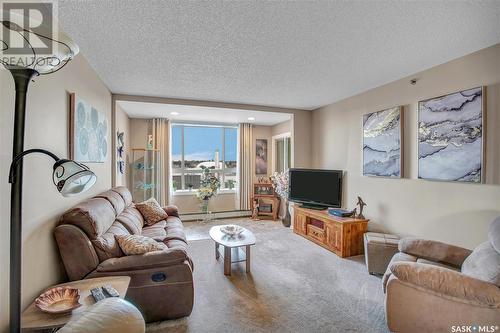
column 316, row 233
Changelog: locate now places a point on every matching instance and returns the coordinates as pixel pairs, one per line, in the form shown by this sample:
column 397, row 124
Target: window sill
column 193, row 192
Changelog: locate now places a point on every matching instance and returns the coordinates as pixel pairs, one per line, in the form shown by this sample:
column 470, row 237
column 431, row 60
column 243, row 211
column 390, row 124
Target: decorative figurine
column 361, row 205
column 120, row 151
column 121, row 167
column 263, row 180
column 255, row 211
column 150, row 142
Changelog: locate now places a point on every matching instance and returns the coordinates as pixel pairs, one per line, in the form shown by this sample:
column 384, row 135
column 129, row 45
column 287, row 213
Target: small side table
column 379, row 250
column 33, row 319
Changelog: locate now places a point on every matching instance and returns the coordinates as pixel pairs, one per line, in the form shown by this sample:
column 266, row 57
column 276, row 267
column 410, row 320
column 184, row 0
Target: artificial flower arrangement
column 209, row 185
column 280, row 183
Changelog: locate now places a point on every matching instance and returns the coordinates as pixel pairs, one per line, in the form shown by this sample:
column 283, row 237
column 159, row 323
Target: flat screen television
column 316, row 188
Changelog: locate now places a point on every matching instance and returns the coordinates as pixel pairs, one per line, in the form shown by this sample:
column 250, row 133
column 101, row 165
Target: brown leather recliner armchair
column 161, row 283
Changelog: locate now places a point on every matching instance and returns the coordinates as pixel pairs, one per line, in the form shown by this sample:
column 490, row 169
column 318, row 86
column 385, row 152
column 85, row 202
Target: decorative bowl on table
column 231, row 229
column 59, row 300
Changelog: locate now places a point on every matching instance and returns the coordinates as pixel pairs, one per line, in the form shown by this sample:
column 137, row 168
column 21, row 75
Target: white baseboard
column 218, row 215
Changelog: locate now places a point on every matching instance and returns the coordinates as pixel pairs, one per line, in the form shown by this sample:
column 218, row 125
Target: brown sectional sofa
column 161, row 282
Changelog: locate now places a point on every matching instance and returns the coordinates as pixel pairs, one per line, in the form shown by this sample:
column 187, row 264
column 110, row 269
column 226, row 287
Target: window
column 198, row 146
column 283, row 152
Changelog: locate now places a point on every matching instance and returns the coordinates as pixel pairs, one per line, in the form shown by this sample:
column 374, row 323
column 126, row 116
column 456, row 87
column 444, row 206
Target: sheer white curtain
column 245, row 165
column 160, row 129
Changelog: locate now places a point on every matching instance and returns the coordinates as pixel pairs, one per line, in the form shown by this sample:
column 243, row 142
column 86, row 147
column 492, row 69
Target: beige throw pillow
column 151, row 211
column 136, row 244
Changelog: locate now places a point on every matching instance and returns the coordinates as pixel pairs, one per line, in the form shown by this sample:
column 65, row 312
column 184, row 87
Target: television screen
column 316, row 187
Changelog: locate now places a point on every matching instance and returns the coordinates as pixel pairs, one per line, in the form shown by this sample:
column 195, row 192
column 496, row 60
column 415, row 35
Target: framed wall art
column 382, row 143
column 261, row 156
column 88, row 132
column 451, row 137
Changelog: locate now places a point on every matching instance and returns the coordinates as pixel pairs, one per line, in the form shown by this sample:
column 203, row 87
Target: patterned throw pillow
column 151, row 211
column 136, row 244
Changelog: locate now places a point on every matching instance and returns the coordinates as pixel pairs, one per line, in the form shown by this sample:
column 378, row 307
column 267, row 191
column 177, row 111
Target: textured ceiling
column 189, row 113
column 281, row 53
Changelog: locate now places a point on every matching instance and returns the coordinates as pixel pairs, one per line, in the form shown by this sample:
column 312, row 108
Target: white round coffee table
column 233, row 252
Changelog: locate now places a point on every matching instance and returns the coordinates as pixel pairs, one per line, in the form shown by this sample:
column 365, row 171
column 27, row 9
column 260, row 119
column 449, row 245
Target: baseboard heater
column 216, row 215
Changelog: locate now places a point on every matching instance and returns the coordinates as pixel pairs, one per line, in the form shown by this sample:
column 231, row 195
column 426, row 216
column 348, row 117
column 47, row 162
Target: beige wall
column 123, row 125
column 451, row 212
column 301, row 139
column 281, row 128
column 46, row 127
column 138, row 133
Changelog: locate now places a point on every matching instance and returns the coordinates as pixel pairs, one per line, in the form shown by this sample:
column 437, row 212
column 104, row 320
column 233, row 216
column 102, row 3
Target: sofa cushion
column 114, row 199
column 132, row 219
column 176, row 244
column 398, row 257
column 106, row 245
column 437, row 264
column 125, row 194
column 447, row 283
column 151, row 211
column 483, row 264
column 93, row 216
column 156, row 231
column 434, row 251
column 137, row 244
column 171, row 210
column 150, row 260
column 175, row 229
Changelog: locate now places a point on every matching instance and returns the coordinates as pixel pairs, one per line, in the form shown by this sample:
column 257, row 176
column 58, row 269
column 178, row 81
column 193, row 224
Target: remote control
column 108, row 289
column 97, row 294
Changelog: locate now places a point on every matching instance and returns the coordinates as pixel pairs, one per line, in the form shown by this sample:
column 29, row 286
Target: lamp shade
column 72, row 178
column 14, row 32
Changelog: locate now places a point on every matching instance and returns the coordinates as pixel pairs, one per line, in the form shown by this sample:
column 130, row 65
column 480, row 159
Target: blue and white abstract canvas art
column 450, row 137
column 382, row 143
column 89, row 132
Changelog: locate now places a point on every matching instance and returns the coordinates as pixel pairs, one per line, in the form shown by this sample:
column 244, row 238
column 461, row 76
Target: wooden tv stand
column 341, row 235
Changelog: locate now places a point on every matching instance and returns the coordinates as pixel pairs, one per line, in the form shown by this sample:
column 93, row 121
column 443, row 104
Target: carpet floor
column 294, row 286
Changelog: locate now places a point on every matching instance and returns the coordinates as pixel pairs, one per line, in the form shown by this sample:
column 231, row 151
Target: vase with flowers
column 280, row 182
column 209, row 185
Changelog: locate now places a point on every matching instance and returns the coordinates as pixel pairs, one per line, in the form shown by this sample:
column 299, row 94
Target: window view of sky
column 200, row 143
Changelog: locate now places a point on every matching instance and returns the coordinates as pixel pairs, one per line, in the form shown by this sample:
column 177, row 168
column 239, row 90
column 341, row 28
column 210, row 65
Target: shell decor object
column 58, row 300
column 231, row 229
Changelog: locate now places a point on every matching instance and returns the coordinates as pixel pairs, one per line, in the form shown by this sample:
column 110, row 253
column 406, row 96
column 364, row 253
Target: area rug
column 294, row 286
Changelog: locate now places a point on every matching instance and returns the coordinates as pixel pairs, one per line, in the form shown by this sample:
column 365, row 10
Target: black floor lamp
column 69, row 177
